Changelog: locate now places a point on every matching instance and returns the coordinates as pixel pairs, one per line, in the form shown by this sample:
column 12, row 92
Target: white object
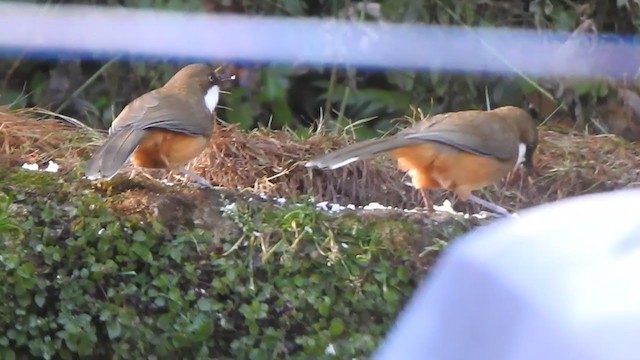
column 32, row 167
column 561, row 282
column 52, row 167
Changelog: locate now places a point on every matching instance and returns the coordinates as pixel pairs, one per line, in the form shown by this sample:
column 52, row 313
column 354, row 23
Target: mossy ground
column 135, row 268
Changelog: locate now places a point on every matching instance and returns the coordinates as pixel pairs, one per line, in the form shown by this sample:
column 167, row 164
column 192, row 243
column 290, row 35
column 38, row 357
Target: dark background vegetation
column 94, row 92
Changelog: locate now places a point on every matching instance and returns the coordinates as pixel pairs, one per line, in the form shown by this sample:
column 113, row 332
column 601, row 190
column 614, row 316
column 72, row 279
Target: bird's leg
column 453, row 198
column 199, row 179
column 509, row 178
column 489, row 205
column 428, row 202
column 133, row 173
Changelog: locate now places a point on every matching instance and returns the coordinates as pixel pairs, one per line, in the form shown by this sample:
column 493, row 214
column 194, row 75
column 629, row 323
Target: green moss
column 29, row 180
column 84, row 276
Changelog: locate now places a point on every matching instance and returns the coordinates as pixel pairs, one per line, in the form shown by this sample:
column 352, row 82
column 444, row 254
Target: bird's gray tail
column 114, row 153
column 360, row 151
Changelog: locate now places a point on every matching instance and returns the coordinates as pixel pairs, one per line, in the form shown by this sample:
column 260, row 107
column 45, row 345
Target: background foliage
column 297, row 97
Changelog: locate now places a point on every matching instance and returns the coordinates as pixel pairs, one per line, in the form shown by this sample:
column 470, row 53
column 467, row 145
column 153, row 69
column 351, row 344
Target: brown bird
column 458, row 151
column 162, row 129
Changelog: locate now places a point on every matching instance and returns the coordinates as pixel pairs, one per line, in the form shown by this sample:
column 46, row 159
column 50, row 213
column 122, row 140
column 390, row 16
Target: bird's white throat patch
column 522, row 149
column 212, row 97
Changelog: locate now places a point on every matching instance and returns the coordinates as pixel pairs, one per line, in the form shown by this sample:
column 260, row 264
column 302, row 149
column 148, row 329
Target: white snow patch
column 52, row 167
column 376, row 206
column 32, row 167
column 322, row 205
column 330, row 207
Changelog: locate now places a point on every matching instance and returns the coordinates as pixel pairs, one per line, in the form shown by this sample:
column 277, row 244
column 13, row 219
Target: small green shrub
column 81, row 282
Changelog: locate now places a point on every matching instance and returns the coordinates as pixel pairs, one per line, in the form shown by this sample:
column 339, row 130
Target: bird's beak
column 226, row 77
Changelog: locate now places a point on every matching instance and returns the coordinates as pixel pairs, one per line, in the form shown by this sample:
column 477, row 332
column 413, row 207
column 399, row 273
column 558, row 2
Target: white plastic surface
column 562, row 282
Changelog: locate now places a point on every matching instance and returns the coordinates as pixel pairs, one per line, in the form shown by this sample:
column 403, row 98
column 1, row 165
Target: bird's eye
column 211, row 78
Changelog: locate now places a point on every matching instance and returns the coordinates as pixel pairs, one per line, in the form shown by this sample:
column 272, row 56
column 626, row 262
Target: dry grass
column 569, row 165
column 36, row 136
column 272, row 162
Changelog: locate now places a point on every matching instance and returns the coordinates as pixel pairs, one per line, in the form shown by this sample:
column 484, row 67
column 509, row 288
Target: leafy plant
column 80, row 281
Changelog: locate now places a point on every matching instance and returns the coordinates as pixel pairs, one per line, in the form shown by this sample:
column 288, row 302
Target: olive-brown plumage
column 458, row 151
column 163, row 129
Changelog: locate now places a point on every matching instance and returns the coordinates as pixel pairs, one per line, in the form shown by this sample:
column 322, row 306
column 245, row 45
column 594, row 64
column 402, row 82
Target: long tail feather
column 359, row 151
column 113, row 154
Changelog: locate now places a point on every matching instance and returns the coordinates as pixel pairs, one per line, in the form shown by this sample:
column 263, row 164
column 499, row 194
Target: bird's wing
column 145, row 113
column 478, row 132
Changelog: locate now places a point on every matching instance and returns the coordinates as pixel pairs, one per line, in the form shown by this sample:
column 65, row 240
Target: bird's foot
column 197, row 178
column 428, row 202
column 499, row 210
column 133, row 173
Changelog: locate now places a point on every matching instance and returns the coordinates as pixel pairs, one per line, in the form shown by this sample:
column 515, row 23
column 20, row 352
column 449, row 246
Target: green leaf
column 139, row 235
column 390, row 295
column 7, row 354
column 24, row 300
column 165, row 322
column 206, row 305
column 142, row 251
column 254, row 329
column 39, row 299
column 26, row 271
column 203, row 328
column 336, row 327
column 160, row 301
column 323, row 309
column 114, row 329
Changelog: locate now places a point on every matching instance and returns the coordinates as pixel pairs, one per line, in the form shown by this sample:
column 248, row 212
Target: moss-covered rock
column 131, row 269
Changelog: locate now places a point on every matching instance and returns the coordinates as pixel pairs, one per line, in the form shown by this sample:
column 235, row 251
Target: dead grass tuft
column 272, row 162
column 35, row 136
column 570, row 165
